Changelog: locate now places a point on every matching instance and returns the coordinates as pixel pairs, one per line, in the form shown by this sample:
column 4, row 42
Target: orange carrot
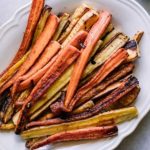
column 114, row 61
column 36, row 50
column 94, row 35
column 65, row 58
column 47, row 55
column 36, row 8
column 76, row 41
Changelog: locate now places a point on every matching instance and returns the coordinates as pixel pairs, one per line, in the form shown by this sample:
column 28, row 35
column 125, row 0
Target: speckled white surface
column 140, row 138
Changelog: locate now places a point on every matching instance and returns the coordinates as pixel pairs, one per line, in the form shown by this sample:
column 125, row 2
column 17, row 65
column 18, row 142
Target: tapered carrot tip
column 90, row 133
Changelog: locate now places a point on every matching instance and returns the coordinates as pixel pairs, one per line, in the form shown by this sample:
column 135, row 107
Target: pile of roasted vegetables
column 71, row 78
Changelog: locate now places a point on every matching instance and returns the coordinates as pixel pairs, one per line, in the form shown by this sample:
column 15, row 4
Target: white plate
column 130, row 17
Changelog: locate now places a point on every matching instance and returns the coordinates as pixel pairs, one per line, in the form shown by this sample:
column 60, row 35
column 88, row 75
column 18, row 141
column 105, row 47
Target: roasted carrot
column 34, row 15
column 30, row 142
column 44, row 123
column 91, row 40
column 116, row 75
column 102, row 119
column 23, row 95
column 41, row 23
column 79, row 12
column 8, row 126
column 14, row 68
column 46, row 116
column 34, row 114
column 83, row 107
column 85, row 23
column 107, row 90
column 114, row 61
column 66, row 57
column 104, row 104
column 64, row 20
column 46, row 56
column 78, row 39
column 76, row 42
column 90, row 133
column 100, row 58
column 36, row 50
column 32, row 80
column 110, row 37
column 138, row 36
column 126, row 100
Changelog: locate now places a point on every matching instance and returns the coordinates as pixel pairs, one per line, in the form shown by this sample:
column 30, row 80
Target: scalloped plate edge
column 14, row 21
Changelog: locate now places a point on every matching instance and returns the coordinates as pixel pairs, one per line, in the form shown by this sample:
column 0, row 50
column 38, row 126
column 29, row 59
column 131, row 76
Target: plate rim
column 14, row 21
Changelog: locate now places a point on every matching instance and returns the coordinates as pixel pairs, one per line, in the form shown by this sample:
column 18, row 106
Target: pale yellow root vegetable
column 63, row 21
column 79, row 12
column 111, row 117
column 83, row 107
column 64, row 79
column 85, row 23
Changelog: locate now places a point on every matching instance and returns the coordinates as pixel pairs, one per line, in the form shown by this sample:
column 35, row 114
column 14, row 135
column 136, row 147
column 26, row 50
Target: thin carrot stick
column 66, row 57
column 9, row 72
column 34, row 15
column 76, row 42
column 47, row 55
column 114, row 61
column 94, row 35
column 44, row 122
column 36, row 50
column 41, row 23
column 89, row 133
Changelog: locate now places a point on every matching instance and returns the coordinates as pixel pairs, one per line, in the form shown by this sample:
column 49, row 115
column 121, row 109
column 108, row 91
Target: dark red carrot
column 114, row 61
column 44, row 123
column 104, row 104
column 90, row 133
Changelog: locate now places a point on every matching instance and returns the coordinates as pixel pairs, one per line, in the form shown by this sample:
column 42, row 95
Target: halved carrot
column 89, row 133
column 36, row 8
column 9, row 72
column 44, row 122
column 46, row 56
column 65, row 58
column 85, row 23
column 114, row 61
column 115, row 76
column 64, row 20
column 41, row 23
column 94, row 35
column 100, row 59
column 79, row 12
column 104, row 104
column 36, row 50
column 76, row 42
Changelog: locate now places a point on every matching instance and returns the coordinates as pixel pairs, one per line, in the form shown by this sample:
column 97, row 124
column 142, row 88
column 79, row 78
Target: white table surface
column 140, row 139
